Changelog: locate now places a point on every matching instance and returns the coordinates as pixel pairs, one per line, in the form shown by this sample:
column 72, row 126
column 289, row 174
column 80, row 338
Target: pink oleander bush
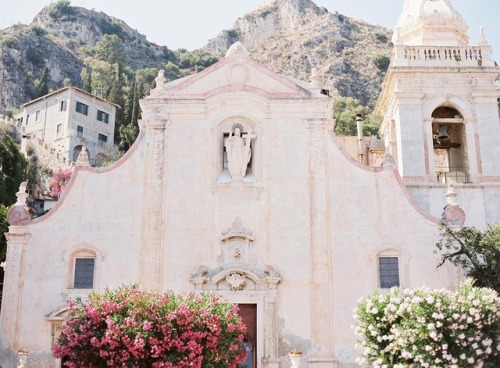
column 406, row 328
column 132, row 328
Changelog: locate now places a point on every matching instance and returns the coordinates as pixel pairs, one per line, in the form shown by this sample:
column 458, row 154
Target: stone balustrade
column 460, row 56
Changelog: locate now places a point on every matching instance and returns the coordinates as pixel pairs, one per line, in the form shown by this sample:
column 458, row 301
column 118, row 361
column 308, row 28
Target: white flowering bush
column 429, row 328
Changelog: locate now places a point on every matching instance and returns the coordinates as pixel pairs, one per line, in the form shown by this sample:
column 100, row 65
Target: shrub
column 37, row 30
column 476, row 251
column 381, row 62
column 60, row 8
column 430, row 328
column 128, row 327
column 10, row 42
column 35, row 56
column 381, row 37
column 111, row 27
column 59, row 181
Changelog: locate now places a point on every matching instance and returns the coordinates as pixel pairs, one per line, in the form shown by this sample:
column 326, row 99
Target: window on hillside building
column 79, row 131
column 38, row 115
column 27, row 118
column 82, row 108
column 102, row 139
column 84, row 273
column 59, row 131
column 62, row 105
column 388, row 272
column 102, row 116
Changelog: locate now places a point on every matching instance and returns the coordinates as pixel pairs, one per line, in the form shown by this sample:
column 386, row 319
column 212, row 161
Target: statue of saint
column 238, row 154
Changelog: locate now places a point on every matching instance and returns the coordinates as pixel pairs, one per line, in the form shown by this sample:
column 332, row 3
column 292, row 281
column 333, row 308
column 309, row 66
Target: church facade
column 237, row 185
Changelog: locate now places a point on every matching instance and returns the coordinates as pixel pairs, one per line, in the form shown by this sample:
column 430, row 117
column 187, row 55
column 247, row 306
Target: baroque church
column 237, row 185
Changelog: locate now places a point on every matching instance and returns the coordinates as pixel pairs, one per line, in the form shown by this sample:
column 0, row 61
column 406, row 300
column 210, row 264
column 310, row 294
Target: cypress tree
column 41, row 85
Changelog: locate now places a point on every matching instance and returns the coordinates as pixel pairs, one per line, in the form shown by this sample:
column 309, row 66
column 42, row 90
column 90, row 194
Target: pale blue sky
column 190, row 23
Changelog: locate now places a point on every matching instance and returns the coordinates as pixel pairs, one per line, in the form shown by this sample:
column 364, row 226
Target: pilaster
column 151, row 267
column 17, row 241
column 321, row 354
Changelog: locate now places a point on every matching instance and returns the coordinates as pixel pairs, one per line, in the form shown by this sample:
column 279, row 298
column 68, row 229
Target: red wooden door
column 248, row 313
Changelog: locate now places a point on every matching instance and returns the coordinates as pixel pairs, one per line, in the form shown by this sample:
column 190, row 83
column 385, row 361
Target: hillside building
column 238, row 185
column 68, row 119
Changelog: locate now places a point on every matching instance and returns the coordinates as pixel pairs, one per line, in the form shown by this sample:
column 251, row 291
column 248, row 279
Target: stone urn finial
column 453, row 215
column 19, row 214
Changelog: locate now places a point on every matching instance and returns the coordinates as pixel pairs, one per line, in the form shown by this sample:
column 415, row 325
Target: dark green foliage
column 111, row 27
column 4, row 227
column 344, row 113
column 35, row 29
column 60, row 8
column 476, row 251
column 129, row 131
column 381, row 62
column 41, row 85
column 171, row 70
column 196, row 60
column 147, row 77
column 110, row 49
column 35, row 56
column 10, row 42
column 127, row 135
column 13, row 169
column 87, row 80
column 116, row 95
column 72, row 44
column 381, row 37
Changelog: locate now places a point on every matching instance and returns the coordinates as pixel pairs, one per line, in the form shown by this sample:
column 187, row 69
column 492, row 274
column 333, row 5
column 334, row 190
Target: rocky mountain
column 61, row 39
column 292, row 37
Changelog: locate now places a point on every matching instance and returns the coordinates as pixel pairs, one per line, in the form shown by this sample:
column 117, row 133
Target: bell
column 443, row 135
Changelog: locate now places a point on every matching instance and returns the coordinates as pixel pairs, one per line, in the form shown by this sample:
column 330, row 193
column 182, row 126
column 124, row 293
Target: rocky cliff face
column 23, row 56
column 61, row 44
column 293, row 37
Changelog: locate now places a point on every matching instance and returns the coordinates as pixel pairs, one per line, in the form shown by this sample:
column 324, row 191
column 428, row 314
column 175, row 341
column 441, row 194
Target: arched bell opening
column 450, row 146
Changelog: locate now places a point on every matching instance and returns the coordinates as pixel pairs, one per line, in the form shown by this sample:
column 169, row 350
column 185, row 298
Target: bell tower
column 439, row 104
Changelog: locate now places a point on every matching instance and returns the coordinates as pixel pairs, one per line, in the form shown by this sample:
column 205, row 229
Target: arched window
column 449, row 141
column 83, row 269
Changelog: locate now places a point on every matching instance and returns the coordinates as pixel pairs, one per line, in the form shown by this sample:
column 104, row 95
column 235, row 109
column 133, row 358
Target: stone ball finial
column 237, row 49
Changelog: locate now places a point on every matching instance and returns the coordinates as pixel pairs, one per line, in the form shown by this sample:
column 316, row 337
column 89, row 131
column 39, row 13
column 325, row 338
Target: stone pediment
column 236, row 72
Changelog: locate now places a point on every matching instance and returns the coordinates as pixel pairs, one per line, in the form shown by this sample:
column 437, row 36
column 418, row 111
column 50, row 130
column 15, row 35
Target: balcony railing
column 444, row 56
column 451, row 175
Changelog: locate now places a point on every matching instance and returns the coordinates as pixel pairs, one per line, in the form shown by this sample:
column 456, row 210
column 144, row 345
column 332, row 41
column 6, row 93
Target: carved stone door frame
column 265, row 296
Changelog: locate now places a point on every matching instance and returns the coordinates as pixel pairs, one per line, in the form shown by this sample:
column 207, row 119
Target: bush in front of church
column 430, row 328
column 133, row 328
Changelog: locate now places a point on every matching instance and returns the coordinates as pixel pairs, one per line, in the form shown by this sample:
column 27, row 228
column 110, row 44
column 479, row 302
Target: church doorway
column 248, row 313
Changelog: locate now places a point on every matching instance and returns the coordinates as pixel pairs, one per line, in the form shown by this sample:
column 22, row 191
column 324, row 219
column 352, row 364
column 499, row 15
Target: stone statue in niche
column 238, row 154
